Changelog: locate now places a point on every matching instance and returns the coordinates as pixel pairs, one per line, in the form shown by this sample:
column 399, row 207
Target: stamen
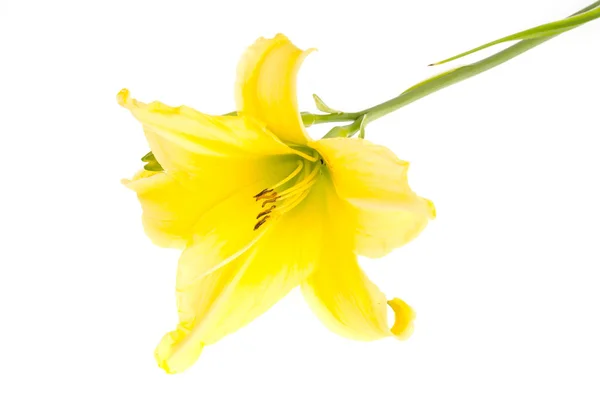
column 288, row 206
column 289, row 197
column 305, row 184
column 269, row 193
column 261, row 222
column 262, row 192
column 290, row 176
column 266, row 212
column 267, row 196
column 304, row 155
column 270, row 201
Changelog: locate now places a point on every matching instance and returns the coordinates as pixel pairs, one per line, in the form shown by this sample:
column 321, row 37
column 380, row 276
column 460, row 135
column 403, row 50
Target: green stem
column 414, row 93
column 310, row 118
column 438, row 82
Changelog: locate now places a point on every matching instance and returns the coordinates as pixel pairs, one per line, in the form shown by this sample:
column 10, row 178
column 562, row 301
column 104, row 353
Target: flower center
column 280, row 199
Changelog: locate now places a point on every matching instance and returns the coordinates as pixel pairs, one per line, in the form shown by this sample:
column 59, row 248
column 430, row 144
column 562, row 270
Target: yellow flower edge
column 259, row 208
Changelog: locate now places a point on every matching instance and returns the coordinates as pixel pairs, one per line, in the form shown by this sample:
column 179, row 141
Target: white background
column 505, row 281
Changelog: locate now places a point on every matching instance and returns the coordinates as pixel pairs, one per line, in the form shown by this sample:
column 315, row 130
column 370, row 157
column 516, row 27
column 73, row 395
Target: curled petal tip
column 175, row 353
column 123, row 97
column 403, row 325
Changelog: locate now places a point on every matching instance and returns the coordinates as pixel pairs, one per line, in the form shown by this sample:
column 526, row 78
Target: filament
column 304, row 155
column 309, row 180
column 275, row 204
column 288, row 206
column 290, row 176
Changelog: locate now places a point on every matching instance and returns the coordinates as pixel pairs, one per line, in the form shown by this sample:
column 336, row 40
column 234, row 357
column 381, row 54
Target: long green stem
column 436, row 83
column 360, row 119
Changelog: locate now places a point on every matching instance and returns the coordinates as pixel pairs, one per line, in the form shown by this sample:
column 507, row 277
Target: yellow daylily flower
column 259, row 208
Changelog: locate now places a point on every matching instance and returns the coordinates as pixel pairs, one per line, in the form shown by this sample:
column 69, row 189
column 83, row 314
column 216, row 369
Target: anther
column 268, row 196
column 262, row 193
column 270, row 201
column 266, row 212
column 261, row 222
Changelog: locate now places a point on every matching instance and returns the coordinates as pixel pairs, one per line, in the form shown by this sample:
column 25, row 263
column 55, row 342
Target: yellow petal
column 379, row 231
column 224, row 233
column 342, row 296
column 190, row 145
column 169, row 210
column 225, row 299
column 266, row 86
column 373, row 182
column 203, row 134
column 206, row 159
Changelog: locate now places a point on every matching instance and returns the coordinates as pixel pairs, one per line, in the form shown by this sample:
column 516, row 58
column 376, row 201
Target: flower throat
column 287, row 193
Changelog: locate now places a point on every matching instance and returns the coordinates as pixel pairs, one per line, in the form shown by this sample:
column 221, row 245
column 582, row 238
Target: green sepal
column 153, row 166
column 148, row 157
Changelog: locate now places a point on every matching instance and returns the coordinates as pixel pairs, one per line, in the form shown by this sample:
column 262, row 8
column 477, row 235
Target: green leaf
column 546, row 30
column 432, row 79
column 322, row 106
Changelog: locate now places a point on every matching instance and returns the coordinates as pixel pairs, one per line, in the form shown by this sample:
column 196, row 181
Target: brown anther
column 266, row 212
column 262, row 193
column 269, row 196
column 261, row 222
column 270, row 201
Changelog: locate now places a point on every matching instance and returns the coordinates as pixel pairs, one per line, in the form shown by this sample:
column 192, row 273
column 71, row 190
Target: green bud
column 322, row 106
